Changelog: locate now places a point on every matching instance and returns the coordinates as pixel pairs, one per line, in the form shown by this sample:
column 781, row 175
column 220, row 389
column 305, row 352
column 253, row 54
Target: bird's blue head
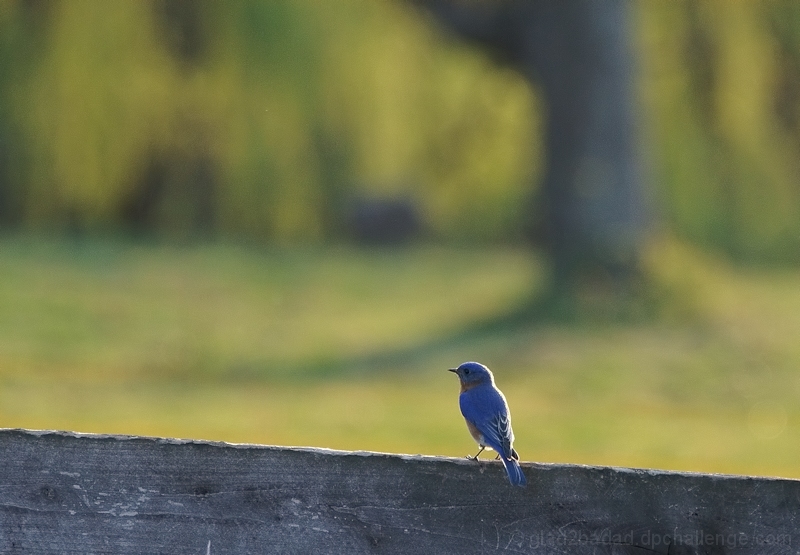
column 472, row 374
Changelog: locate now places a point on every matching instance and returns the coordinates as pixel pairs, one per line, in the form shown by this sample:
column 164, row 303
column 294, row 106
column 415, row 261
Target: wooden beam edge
column 538, row 466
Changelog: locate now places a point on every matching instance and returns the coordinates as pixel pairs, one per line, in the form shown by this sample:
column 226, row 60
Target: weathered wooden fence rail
column 74, row 493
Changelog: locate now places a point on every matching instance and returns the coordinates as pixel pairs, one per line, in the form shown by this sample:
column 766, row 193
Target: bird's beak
column 455, row 370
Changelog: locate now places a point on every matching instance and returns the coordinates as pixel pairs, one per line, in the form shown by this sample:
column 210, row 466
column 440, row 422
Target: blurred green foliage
column 721, row 86
column 296, row 104
column 113, row 112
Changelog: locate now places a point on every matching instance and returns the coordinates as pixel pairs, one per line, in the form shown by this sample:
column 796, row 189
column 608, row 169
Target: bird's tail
column 515, row 475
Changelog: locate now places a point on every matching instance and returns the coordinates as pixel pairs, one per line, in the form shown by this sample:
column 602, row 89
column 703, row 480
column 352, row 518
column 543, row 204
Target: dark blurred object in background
column 580, row 53
column 373, row 220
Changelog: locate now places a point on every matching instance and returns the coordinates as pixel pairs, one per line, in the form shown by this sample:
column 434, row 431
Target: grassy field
column 347, row 349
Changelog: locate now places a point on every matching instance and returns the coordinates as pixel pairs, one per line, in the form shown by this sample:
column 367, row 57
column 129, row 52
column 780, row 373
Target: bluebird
column 485, row 409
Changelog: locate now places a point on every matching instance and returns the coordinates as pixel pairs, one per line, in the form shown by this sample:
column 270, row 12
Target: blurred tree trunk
column 593, row 204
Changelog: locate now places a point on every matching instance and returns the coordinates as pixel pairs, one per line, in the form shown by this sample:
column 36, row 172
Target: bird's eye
column 466, row 370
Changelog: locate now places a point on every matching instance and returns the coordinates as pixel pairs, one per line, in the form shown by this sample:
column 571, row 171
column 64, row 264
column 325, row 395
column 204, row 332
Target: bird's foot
column 475, row 458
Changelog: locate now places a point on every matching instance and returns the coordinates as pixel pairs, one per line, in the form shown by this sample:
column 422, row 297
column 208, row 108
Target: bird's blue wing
column 486, row 408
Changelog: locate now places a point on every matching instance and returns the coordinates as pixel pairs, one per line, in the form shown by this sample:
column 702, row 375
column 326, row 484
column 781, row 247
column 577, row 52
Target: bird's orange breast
column 468, row 386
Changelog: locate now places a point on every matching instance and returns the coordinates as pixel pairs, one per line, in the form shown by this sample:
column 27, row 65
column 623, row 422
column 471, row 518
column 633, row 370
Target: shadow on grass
column 545, row 310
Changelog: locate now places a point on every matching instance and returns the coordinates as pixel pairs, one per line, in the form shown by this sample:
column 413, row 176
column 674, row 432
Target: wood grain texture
column 74, row 493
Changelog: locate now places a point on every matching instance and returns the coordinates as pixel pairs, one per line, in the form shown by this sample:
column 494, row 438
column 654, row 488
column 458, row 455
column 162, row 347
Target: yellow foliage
column 297, row 104
column 100, row 97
